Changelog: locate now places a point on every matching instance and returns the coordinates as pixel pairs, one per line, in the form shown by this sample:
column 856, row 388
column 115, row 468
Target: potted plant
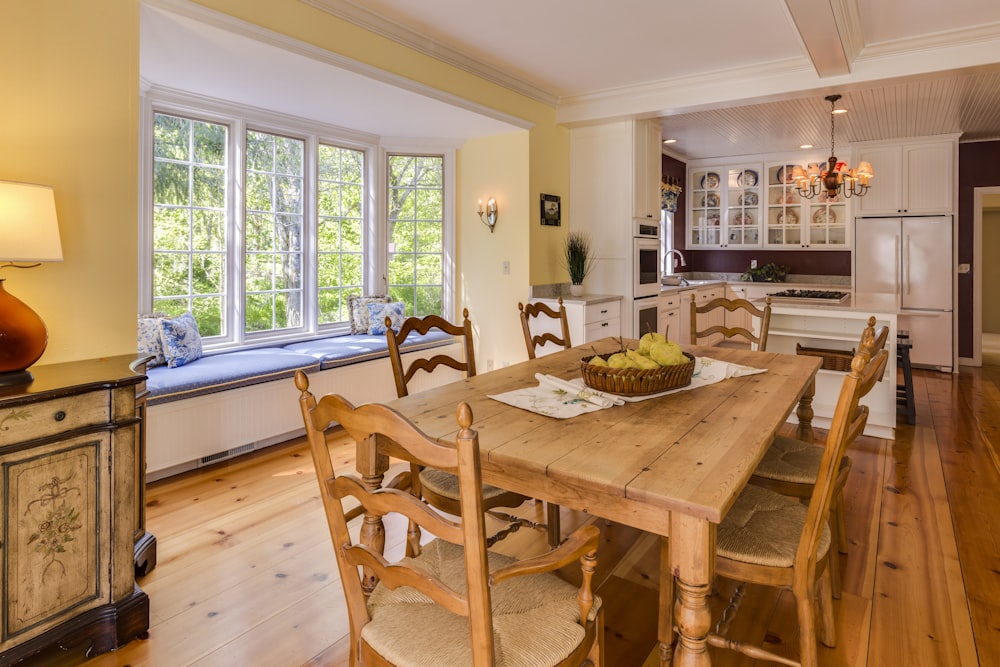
column 578, row 260
column 768, row 273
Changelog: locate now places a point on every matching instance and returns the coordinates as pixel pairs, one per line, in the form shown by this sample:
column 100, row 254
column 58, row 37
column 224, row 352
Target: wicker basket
column 833, row 360
column 635, row 381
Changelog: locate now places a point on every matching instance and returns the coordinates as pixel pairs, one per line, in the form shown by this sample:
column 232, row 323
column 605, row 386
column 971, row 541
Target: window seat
column 230, row 403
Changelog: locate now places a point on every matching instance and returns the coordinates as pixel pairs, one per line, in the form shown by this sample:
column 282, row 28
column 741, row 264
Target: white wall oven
column 645, row 267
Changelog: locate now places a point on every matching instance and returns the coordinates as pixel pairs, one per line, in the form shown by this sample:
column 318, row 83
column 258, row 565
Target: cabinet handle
column 59, row 416
column 604, row 312
column 604, row 324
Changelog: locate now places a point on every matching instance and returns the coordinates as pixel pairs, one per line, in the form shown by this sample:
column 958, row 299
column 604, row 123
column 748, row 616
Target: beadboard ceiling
column 727, row 77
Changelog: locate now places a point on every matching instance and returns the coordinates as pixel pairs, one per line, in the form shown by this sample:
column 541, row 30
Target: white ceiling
column 728, row 77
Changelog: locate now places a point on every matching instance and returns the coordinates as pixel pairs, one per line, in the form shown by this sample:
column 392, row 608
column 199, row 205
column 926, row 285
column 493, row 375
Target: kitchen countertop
column 868, row 302
column 585, row 299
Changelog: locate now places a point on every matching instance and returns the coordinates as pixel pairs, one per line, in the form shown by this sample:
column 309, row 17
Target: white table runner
column 563, row 399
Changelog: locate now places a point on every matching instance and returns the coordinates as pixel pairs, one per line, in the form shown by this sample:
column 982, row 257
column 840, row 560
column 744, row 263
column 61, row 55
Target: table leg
column 692, row 557
column 665, row 629
column 805, row 413
column 371, row 466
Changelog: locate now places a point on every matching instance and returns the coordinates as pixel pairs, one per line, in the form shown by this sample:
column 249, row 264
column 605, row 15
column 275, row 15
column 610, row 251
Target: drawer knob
column 61, row 415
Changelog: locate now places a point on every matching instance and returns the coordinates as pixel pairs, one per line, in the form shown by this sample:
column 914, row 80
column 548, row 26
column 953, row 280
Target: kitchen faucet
column 673, row 262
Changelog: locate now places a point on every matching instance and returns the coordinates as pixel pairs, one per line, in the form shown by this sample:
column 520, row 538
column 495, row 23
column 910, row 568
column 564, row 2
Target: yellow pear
column 640, row 361
column 597, row 361
column 647, row 341
column 618, row 360
column 667, row 353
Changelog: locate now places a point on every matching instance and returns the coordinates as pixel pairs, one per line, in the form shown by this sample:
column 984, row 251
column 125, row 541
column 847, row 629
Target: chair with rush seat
column 438, row 487
column 732, row 335
column 450, row 602
column 790, row 466
column 773, row 540
column 536, row 311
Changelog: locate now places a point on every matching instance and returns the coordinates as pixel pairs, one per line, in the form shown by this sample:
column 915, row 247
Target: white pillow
column 149, row 340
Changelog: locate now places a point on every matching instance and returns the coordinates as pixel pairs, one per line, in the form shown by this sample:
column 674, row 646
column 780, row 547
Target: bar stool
column 904, row 392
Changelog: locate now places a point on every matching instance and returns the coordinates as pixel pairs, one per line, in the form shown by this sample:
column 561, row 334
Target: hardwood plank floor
column 246, row 574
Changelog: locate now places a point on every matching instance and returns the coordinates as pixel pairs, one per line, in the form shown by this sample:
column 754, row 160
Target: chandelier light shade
column 837, row 178
column 29, row 232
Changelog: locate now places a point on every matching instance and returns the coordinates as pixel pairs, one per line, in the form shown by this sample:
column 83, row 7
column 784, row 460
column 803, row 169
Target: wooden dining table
column 671, row 465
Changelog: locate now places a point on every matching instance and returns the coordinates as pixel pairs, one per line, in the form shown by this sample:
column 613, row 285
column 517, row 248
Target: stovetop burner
column 821, row 296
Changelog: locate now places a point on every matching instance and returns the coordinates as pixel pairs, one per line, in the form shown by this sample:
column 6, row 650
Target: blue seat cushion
column 344, row 350
column 226, row 370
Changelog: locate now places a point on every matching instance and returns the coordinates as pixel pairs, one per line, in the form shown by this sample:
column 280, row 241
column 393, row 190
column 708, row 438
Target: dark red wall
column 978, row 166
column 810, row 263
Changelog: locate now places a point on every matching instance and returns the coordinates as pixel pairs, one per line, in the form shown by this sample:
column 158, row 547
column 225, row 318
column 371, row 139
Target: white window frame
column 239, row 118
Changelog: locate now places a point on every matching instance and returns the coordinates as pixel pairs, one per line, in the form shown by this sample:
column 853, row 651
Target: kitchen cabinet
column 604, row 181
column 724, row 209
column 916, row 177
column 589, row 319
column 669, row 309
column 793, row 221
column 648, row 168
column 69, row 450
column 931, row 334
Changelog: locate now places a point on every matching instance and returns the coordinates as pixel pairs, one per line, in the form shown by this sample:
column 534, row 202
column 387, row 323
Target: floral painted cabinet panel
column 57, row 510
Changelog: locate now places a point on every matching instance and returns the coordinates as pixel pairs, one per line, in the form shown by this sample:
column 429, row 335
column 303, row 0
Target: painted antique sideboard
column 71, row 486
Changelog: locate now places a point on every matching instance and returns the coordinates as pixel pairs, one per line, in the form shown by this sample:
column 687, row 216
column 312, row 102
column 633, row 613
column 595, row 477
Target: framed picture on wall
column 550, row 210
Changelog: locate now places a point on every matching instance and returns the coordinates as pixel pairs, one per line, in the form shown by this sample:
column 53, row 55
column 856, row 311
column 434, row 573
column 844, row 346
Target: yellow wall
column 494, row 167
column 69, row 119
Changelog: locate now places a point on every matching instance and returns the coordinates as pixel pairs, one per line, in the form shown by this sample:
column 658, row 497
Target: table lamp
column 29, row 232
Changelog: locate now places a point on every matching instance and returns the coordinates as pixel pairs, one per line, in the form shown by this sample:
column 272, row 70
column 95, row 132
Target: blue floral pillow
column 377, row 312
column 149, row 340
column 357, row 309
column 181, row 340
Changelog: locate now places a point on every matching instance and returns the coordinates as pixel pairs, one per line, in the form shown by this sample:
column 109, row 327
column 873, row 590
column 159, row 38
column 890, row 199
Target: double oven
column 645, row 276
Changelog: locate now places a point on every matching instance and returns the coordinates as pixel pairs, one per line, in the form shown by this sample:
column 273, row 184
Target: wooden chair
column 440, row 488
column 537, row 310
column 435, row 607
column 773, row 540
column 758, row 342
column 790, row 466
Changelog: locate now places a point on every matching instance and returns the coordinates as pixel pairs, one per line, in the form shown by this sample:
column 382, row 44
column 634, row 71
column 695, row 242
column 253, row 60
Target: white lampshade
column 29, row 230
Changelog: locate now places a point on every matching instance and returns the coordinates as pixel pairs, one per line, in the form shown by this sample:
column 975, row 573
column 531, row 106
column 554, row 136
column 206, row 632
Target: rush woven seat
column 449, row 602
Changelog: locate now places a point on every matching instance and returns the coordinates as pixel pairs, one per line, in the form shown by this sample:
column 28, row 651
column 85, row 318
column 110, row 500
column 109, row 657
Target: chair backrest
column 403, row 374
column 874, row 339
column 759, row 341
column 536, row 310
column 383, row 432
column 849, row 419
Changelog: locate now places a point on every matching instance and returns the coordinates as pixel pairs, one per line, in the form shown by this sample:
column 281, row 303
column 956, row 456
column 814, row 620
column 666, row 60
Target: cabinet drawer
column 597, row 312
column 37, row 420
column 602, row 329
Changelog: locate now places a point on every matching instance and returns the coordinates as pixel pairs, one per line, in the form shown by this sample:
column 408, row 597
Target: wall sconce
column 29, row 232
column 491, row 213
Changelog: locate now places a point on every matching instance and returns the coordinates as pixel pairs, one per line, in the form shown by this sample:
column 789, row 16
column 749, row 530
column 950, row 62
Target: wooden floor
column 246, row 573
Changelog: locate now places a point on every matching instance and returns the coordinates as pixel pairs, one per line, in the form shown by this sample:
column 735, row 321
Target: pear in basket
column 597, row 361
column 618, row 360
column 647, row 340
column 667, row 353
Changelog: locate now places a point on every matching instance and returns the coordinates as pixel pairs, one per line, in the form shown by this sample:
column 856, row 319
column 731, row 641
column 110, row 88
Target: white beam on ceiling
column 822, row 36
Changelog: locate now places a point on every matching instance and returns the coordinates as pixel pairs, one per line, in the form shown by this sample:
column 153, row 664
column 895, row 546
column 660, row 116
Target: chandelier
column 811, row 181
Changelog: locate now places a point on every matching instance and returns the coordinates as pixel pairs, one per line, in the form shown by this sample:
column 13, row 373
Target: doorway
column 986, row 278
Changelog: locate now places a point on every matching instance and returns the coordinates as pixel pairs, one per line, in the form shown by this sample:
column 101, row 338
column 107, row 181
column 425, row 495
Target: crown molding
column 237, row 26
column 353, row 12
column 974, row 36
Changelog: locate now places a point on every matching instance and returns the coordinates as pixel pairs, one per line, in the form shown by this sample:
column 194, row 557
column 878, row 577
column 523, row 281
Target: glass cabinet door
column 705, row 223
column 742, row 222
column 827, row 221
column 784, row 208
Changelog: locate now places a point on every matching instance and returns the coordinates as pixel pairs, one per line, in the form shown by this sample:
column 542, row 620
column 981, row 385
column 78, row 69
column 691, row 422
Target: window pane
column 189, row 219
column 416, row 240
column 274, row 228
column 340, row 240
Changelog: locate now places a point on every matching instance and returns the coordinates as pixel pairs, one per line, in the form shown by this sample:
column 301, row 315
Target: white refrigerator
column 912, row 257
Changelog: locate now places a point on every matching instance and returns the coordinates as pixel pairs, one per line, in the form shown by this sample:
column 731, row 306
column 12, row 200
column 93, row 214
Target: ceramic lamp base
column 23, row 337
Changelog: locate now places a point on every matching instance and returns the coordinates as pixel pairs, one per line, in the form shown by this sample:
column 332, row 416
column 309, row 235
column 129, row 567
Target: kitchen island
column 837, row 326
